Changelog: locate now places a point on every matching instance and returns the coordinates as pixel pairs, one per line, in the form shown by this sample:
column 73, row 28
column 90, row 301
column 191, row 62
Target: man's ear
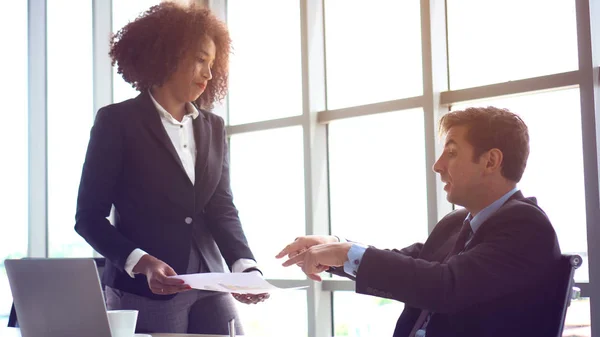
column 494, row 159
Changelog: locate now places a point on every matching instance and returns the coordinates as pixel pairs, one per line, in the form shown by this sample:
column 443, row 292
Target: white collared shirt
column 182, row 137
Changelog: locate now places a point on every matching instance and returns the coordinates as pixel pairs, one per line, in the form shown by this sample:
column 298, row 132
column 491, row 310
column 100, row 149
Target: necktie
column 463, row 236
column 461, row 241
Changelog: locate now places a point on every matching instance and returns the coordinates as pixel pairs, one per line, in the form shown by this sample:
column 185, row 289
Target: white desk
column 15, row 332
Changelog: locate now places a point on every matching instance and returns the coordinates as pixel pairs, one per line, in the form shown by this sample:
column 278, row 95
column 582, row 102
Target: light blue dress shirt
column 357, row 250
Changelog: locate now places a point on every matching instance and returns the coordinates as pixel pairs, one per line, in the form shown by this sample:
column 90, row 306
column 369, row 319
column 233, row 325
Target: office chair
column 564, row 288
column 100, row 263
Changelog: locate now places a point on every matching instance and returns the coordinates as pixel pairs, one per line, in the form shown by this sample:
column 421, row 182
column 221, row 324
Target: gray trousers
column 193, row 311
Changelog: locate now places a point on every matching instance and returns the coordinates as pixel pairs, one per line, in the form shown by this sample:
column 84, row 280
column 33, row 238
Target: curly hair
column 148, row 50
column 490, row 128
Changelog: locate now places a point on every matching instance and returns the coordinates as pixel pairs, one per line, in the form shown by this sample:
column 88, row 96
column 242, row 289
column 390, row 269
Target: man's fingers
column 294, row 260
column 314, row 277
column 292, row 247
column 283, row 252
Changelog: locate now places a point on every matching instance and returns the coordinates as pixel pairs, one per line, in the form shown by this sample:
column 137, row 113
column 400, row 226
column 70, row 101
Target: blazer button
column 188, row 220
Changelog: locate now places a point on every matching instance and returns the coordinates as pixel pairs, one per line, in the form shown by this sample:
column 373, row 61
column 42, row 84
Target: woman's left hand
column 251, row 298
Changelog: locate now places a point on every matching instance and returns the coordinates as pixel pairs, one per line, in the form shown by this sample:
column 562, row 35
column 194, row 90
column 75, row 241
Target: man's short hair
column 489, row 128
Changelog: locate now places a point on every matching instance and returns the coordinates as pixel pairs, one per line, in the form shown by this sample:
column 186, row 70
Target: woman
column 161, row 160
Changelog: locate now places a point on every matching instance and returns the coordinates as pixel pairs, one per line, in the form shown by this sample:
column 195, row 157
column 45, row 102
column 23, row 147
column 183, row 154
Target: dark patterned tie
column 463, row 236
column 459, row 247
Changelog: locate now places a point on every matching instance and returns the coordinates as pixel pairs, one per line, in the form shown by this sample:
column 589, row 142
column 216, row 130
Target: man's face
column 462, row 176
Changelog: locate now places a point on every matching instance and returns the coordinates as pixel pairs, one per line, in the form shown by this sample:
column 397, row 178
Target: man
column 480, row 270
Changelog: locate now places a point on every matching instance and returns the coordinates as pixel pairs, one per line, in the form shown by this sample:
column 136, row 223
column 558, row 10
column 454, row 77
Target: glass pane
column 13, row 143
column 376, row 317
column 578, row 320
column 373, row 51
column 70, row 117
column 265, row 68
column 377, row 166
column 554, row 122
column 267, row 179
column 267, row 319
column 503, row 40
column 124, row 11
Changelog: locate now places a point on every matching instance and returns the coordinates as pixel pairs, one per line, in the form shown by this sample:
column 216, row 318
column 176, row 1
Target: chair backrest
column 564, row 288
column 12, row 318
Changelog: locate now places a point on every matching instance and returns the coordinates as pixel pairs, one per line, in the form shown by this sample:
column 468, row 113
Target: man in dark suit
column 477, row 273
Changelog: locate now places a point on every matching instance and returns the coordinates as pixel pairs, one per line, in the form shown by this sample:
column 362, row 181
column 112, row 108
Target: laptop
column 58, row 297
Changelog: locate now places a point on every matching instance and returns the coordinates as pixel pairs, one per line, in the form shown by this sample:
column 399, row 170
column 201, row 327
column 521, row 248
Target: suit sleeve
column 97, row 189
column 223, row 218
column 514, row 255
column 413, row 251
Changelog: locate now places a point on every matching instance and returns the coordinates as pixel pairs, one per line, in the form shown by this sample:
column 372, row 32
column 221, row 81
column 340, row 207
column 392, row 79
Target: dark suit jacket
column 131, row 163
column 494, row 288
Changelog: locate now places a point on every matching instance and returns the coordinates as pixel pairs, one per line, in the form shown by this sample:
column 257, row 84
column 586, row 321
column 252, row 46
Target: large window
column 373, row 51
column 13, row 144
column 70, row 117
column 265, row 80
column 389, row 70
column 498, row 41
column 268, row 189
column 370, row 159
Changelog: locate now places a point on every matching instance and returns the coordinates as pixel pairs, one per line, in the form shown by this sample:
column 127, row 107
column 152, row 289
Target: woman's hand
column 157, row 272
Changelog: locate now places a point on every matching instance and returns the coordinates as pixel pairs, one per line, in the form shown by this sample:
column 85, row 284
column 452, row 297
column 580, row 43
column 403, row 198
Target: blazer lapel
column 203, row 137
column 152, row 121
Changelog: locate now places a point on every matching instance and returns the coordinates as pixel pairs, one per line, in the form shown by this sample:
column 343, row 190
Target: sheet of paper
column 242, row 283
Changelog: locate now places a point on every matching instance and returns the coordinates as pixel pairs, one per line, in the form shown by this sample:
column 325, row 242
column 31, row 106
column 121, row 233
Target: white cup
column 122, row 322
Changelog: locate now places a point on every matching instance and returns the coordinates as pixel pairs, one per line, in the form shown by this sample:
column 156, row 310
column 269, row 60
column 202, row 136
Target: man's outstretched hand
column 315, row 254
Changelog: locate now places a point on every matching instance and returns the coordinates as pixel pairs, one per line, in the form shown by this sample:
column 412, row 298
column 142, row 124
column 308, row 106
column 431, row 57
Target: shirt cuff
column 242, row 264
column 133, row 259
column 355, row 255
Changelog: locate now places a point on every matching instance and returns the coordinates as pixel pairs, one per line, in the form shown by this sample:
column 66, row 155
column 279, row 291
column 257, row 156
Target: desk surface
column 15, row 332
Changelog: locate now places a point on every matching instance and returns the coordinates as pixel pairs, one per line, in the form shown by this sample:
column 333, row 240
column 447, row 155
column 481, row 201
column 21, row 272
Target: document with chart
column 241, row 283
